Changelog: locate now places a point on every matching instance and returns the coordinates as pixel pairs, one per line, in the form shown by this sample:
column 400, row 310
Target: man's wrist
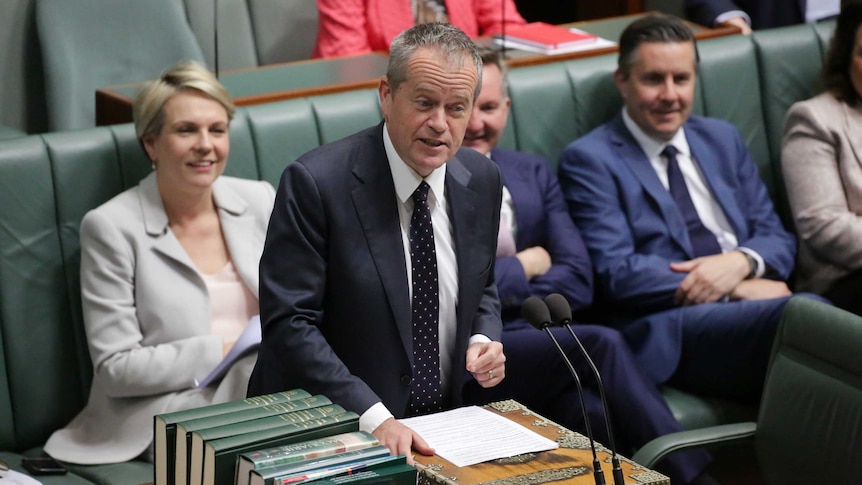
column 752, row 265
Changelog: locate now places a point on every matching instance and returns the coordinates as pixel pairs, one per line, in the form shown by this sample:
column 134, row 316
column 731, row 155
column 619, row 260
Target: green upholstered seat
column 282, row 132
column 135, row 40
column 789, row 60
column 807, row 429
column 236, row 47
column 7, row 133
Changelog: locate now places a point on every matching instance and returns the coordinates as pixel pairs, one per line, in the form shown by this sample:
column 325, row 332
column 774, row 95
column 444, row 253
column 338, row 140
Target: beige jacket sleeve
column 823, row 177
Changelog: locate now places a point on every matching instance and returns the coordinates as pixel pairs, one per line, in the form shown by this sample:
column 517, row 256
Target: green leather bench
column 7, row 132
column 48, row 182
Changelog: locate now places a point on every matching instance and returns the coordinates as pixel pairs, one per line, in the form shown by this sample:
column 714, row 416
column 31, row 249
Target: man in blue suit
column 377, row 275
column 540, row 252
column 689, row 254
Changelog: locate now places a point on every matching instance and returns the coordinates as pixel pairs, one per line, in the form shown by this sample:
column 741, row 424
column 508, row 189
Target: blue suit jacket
column 764, row 13
column 542, row 220
column 631, row 225
column 334, row 297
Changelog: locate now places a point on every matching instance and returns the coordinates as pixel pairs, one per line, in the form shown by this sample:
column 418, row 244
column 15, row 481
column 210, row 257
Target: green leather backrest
column 542, row 109
column 824, row 34
column 85, row 174
column 133, row 161
column 789, row 60
column 7, row 132
column 808, row 430
column 726, row 63
column 39, row 343
column 281, row 132
column 236, row 36
column 341, row 114
column 284, row 30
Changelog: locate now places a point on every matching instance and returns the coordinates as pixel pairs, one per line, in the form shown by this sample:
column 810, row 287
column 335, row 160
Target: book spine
column 253, row 413
column 354, row 456
column 311, row 449
column 220, row 455
column 260, row 424
column 232, row 406
column 339, row 469
column 397, row 474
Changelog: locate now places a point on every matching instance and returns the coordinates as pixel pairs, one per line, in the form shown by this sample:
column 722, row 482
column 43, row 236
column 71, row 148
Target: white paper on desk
column 470, row 435
column 600, row 42
column 247, row 341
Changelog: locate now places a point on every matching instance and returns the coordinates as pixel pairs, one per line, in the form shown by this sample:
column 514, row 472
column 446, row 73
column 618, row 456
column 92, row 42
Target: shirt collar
column 405, row 178
column 652, row 147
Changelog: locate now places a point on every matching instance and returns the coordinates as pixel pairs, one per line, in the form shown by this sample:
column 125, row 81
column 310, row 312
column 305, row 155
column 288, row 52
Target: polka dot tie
column 425, row 392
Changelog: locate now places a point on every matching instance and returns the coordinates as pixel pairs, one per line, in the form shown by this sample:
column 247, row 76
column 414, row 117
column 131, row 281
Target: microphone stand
column 562, row 315
column 537, row 313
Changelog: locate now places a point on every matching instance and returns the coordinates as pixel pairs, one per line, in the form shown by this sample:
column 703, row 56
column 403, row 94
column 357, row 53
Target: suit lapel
column 156, row 224
column 461, row 202
column 375, row 204
column 238, row 228
column 717, row 184
column 628, row 150
column 516, row 183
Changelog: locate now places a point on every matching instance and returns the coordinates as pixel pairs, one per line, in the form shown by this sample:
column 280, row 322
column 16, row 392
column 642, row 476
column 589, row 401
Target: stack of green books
column 201, row 446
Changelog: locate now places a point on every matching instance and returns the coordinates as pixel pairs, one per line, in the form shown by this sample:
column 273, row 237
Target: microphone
column 537, row 313
column 561, row 314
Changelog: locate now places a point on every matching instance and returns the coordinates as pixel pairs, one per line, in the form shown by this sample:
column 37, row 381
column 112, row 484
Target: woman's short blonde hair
column 148, row 109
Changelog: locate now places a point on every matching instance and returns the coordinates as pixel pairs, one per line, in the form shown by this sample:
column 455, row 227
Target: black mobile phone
column 43, row 465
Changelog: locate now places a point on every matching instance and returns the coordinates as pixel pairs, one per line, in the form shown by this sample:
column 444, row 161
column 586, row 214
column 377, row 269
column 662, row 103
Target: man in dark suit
column 540, row 252
column 759, row 14
column 690, row 257
column 377, row 277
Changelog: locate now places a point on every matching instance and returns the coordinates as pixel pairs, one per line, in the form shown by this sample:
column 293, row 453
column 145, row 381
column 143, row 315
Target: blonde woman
column 169, row 274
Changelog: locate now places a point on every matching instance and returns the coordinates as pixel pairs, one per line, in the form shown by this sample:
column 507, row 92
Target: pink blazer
column 359, row 26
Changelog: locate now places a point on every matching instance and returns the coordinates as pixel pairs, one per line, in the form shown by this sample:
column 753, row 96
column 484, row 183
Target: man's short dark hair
column 651, row 28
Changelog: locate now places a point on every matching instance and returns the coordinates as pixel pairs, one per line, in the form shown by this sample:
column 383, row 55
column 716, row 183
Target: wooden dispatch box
column 571, row 463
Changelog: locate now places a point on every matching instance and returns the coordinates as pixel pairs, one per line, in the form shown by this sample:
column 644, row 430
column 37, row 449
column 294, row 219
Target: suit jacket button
column 406, row 380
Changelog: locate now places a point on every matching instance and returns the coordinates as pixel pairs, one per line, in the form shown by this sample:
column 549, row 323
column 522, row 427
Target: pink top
column 231, row 303
column 360, row 26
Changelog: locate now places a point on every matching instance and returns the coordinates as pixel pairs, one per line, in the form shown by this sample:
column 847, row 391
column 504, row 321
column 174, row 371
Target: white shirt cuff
column 760, row 266
column 731, row 15
column 478, row 338
column 374, row 417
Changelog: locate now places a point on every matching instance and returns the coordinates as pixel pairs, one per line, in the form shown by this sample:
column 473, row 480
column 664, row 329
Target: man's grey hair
column 445, row 38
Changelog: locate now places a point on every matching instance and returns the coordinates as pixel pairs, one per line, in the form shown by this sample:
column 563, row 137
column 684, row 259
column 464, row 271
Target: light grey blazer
column 147, row 317
column 822, row 166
